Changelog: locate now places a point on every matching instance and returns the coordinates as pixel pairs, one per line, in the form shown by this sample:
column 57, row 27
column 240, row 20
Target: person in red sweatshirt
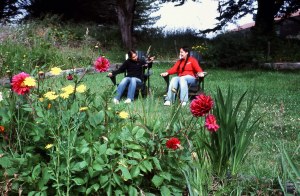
column 186, row 68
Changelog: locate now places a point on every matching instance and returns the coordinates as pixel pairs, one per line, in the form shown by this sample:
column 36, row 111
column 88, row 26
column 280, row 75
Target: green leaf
column 125, row 135
column 135, row 171
column 28, row 109
column 103, row 179
column 147, row 165
column 134, row 146
column 5, row 162
column 165, row 191
column 132, row 191
column 45, row 178
column 111, row 151
column 79, row 166
column 166, row 175
column 125, row 173
column 139, row 134
column 157, row 180
column 84, row 149
column 157, row 125
column 117, row 179
column 97, row 167
column 135, row 155
column 96, row 119
column 78, row 181
column 132, row 162
column 102, row 149
column 156, row 163
column 36, row 172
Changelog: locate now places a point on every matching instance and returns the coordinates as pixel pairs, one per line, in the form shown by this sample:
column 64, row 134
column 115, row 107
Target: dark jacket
column 133, row 68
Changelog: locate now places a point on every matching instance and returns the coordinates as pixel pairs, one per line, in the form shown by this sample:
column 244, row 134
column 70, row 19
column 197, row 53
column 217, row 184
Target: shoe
column 167, row 103
column 183, row 103
column 127, row 101
column 116, row 101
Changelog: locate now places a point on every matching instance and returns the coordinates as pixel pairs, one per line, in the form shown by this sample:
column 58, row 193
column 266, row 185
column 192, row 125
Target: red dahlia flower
column 101, row 64
column 18, row 84
column 70, row 77
column 211, row 123
column 201, row 105
column 173, row 143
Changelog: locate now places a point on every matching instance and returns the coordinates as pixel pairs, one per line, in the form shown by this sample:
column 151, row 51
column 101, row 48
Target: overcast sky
column 193, row 15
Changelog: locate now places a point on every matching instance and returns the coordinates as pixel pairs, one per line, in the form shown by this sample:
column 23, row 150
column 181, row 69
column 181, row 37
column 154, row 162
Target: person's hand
column 110, row 74
column 151, row 59
column 200, row 74
column 164, row 74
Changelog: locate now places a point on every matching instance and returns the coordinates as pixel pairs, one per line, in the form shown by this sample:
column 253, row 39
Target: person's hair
column 185, row 49
column 130, row 53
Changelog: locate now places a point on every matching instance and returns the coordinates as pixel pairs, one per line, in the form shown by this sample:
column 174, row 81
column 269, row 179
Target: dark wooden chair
column 196, row 88
column 144, row 87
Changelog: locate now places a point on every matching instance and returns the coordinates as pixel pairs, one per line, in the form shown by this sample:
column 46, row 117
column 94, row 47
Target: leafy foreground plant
column 230, row 145
column 290, row 173
column 60, row 141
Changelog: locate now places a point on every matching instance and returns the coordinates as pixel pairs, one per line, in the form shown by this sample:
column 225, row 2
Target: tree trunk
column 264, row 21
column 125, row 12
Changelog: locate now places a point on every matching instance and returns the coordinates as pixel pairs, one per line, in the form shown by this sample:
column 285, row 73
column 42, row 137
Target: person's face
column 182, row 54
column 134, row 57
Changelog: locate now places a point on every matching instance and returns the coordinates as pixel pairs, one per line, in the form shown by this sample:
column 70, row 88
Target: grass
column 278, row 106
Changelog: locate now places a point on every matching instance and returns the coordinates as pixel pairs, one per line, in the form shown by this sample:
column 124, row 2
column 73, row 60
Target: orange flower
column 2, row 129
column 49, row 106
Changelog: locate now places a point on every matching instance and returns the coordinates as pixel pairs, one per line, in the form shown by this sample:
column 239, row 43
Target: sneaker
column 183, row 103
column 167, row 103
column 116, row 101
column 127, row 101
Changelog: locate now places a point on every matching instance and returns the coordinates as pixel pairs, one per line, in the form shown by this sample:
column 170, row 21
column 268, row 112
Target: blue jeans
column 183, row 82
column 131, row 82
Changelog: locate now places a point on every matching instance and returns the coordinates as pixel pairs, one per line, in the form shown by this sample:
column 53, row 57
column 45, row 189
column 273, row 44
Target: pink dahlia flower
column 101, row 64
column 211, row 123
column 201, row 105
column 18, row 84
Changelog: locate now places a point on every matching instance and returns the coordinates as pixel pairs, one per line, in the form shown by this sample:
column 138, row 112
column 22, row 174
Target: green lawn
column 278, row 107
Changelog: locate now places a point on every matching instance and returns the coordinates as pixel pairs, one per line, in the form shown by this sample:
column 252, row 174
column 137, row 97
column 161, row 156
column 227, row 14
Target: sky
column 192, row 15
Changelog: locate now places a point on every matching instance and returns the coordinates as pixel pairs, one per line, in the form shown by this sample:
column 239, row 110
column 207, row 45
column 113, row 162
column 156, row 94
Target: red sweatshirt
column 191, row 67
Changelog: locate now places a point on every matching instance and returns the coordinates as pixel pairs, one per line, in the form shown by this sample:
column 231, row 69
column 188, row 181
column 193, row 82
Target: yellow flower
column 124, row 115
column 50, row 95
column 64, row 95
column 55, row 71
column 29, row 81
column 41, row 99
column 49, row 146
column 68, row 89
column 81, row 88
column 83, row 109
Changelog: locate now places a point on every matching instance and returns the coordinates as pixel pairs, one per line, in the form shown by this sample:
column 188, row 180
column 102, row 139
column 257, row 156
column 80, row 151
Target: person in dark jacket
column 134, row 69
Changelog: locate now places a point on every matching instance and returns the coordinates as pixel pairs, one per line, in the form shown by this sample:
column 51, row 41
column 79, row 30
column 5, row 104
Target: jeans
column 131, row 82
column 184, row 82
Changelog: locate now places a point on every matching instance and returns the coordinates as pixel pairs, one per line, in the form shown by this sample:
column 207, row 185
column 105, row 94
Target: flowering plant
column 22, row 83
column 101, row 64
